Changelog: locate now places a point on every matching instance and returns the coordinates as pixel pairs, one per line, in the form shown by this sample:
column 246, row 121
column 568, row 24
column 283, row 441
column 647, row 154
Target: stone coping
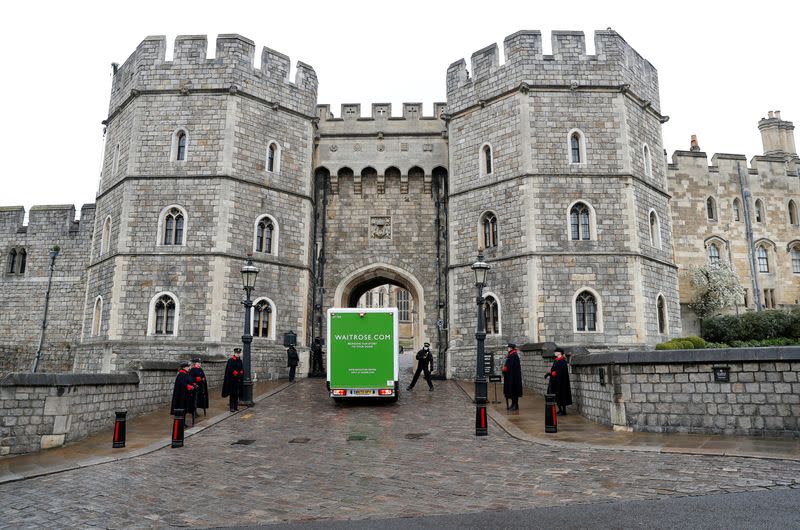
column 711, row 355
column 548, row 349
column 28, row 379
column 171, row 366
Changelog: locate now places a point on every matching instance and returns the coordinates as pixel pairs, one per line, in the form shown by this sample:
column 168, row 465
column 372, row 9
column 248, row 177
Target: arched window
column 273, row 156
column 263, row 318
column 648, row 163
column 173, row 226
column 489, row 237
column 661, row 307
column 713, row 254
column 106, row 237
column 655, row 230
column 181, row 152
column 585, row 312
column 486, row 160
column 711, row 209
column 580, row 222
column 792, row 213
column 22, row 260
column 164, row 315
column 759, row 211
column 763, row 258
column 403, row 305
column 266, row 236
column 12, row 261
column 97, row 316
column 795, row 255
column 575, row 148
column 491, row 315
column 736, row 209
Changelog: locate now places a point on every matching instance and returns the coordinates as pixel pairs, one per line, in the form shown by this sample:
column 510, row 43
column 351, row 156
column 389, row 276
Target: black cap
column 512, row 345
column 427, row 344
column 237, row 350
column 184, row 364
column 196, row 359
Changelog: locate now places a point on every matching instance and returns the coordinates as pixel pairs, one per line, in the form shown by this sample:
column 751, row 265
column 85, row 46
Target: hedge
column 753, row 326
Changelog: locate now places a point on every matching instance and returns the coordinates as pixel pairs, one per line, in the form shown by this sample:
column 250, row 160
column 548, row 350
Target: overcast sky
column 720, row 68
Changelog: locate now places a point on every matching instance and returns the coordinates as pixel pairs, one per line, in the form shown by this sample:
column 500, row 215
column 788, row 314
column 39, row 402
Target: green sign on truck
column 362, row 353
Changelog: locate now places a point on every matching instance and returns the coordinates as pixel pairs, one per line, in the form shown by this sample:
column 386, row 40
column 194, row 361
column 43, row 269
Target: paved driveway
column 311, row 459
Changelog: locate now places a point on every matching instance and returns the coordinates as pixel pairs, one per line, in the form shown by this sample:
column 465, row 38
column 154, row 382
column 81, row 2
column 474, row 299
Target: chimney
column 777, row 135
column 694, row 145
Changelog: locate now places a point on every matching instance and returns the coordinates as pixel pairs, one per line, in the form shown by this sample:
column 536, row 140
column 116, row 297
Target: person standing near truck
column 424, row 364
column 316, row 357
column 293, row 359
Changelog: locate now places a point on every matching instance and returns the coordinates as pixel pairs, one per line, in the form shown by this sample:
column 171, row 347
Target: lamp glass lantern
column 249, row 273
column 481, row 269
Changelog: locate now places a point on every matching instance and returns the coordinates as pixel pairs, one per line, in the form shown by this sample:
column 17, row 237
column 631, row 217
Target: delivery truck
column 363, row 353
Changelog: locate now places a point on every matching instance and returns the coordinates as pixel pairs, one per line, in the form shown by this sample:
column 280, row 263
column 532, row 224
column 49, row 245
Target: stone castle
column 553, row 164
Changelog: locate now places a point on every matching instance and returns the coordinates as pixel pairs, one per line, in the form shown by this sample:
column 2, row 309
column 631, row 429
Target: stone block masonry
column 676, row 391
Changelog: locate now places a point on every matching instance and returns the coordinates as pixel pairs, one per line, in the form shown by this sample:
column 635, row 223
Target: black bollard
column 178, row 425
column 119, row 429
column 550, row 413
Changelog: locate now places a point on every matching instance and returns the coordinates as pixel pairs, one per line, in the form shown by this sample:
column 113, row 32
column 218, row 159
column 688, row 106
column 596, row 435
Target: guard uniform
column 559, row 383
column 198, row 376
column 512, row 377
column 316, row 357
column 234, row 380
column 183, row 391
column 293, row 361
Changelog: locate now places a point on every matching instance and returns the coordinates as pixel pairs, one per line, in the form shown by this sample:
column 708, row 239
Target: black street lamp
column 53, row 255
column 249, row 273
column 481, row 269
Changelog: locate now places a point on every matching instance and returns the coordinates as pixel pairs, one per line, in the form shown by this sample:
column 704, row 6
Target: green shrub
column 717, row 345
column 667, row 346
column 685, row 344
column 697, row 342
column 752, row 326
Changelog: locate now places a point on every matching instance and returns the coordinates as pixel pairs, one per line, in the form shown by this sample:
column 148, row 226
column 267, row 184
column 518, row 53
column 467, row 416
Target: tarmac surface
column 297, row 457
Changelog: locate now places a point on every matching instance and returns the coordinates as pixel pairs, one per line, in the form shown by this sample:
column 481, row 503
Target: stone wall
column 40, row 411
column 675, row 391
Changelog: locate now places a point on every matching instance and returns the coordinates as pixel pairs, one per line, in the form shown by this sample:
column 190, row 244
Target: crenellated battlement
column 230, row 69
column 615, row 64
column 724, row 163
column 380, row 111
column 47, row 219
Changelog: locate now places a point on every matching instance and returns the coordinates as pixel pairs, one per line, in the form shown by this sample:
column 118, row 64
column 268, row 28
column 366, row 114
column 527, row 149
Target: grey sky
column 720, row 68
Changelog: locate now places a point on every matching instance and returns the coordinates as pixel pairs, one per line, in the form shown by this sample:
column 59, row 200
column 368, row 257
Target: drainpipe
column 751, row 251
column 53, row 256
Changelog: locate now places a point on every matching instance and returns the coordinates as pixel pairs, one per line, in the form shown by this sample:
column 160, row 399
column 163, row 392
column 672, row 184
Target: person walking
column 183, row 391
column 512, row 377
column 198, row 376
column 559, row 383
column 424, row 364
column 234, row 378
column 293, row 360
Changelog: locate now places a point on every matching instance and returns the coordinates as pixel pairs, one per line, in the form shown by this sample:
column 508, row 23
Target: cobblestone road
column 413, row 458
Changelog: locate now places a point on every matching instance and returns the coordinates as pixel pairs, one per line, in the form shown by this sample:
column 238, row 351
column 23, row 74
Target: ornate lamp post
column 249, row 273
column 481, row 269
column 53, row 255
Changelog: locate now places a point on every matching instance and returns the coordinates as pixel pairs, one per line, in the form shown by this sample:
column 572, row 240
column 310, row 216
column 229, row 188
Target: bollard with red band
column 119, row 429
column 178, row 425
column 550, row 413
column 481, row 429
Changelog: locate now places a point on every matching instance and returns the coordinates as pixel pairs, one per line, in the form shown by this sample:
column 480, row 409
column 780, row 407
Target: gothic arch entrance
column 358, row 282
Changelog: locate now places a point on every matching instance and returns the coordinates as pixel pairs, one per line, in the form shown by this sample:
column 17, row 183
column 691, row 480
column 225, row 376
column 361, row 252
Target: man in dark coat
column 512, row 377
column 559, row 383
column 316, row 357
column 197, row 375
column 183, row 391
column 234, row 379
column 294, row 360
column 424, row 363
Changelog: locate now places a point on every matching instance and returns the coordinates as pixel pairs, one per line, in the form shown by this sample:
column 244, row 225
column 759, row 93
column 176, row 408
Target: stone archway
column 352, row 286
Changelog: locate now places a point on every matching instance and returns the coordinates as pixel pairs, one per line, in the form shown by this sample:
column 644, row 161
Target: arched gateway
column 381, row 219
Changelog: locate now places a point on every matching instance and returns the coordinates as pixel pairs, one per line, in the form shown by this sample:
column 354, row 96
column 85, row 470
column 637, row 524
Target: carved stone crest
column 380, row 227
column 404, row 146
column 381, row 147
column 334, row 148
column 356, row 147
column 427, row 147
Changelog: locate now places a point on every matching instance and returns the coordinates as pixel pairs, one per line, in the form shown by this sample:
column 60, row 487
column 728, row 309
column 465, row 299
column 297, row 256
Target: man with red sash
column 234, row 379
column 559, row 383
column 183, row 391
column 512, row 377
